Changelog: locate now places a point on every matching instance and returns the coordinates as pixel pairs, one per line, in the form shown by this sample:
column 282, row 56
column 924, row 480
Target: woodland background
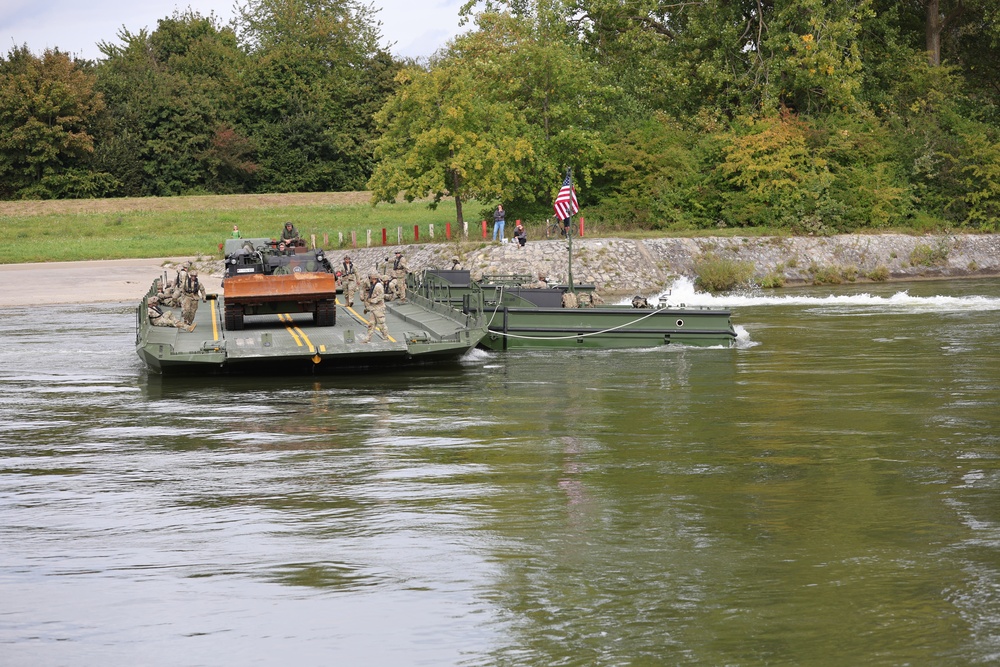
column 812, row 116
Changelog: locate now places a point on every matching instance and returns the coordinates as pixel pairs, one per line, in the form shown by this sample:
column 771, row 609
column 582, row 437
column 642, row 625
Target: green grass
column 136, row 234
column 36, row 231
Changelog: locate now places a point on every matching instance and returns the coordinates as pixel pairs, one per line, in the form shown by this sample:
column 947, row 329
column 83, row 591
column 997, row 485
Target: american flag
column 566, row 204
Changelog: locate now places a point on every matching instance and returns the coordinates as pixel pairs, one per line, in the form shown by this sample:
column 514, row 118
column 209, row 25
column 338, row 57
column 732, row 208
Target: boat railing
column 508, row 279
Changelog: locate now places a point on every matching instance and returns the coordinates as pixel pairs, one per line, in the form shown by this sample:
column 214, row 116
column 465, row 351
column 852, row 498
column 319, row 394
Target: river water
column 827, row 493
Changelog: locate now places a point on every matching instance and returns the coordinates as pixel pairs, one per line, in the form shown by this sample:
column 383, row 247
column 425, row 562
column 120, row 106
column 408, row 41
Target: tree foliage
column 811, row 115
column 47, row 105
column 498, row 116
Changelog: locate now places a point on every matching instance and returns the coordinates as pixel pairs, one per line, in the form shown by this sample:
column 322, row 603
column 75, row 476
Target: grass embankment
column 187, row 226
column 127, row 228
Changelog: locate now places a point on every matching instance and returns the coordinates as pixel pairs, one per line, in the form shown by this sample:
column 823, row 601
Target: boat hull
column 421, row 331
column 608, row 327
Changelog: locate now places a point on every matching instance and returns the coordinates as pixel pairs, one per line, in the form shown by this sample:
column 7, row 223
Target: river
column 827, row 493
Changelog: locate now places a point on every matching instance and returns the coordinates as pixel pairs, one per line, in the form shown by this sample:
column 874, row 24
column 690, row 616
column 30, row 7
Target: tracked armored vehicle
column 266, row 278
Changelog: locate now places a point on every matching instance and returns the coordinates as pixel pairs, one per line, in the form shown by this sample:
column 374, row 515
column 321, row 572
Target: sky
column 417, row 27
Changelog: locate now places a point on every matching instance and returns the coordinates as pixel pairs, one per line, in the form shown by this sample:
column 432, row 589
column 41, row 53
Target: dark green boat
column 520, row 317
column 290, row 320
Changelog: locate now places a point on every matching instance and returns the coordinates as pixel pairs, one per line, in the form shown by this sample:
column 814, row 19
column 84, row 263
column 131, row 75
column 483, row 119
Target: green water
column 826, row 494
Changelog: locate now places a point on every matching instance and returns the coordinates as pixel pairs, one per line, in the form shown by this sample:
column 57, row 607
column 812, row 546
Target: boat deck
column 416, row 328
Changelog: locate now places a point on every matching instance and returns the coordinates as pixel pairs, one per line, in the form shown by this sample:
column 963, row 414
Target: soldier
column 569, row 300
column 456, row 264
column 590, row 299
column 163, row 318
column 350, row 277
column 375, row 304
column 542, row 282
column 192, row 289
column 289, row 234
column 399, row 271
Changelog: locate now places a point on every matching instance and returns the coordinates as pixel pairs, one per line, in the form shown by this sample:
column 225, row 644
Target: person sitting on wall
column 520, row 234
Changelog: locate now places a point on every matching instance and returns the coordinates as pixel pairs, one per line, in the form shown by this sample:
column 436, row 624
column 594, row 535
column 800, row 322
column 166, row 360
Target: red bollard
column 447, row 231
column 385, row 238
column 416, row 234
column 581, row 225
column 484, row 230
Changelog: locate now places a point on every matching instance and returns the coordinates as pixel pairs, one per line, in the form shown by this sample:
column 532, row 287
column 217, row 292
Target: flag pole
column 569, row 246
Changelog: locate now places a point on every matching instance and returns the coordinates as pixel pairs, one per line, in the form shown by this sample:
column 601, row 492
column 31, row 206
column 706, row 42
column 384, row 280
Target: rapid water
column 826, row 493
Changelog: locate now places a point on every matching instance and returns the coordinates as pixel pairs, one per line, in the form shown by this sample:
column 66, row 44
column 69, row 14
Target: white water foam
column 683, row 292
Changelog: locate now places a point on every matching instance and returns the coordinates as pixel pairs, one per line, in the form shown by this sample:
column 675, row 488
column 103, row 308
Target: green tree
column 171, row 95
column 47, row 107
column 499, row 115
column 313, row 81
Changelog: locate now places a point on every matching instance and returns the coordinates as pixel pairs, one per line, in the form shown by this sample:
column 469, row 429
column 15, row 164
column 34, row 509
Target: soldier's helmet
column 542, row 275
column 288, row 224
column 454, row 259
column 347, row 258
column 154, row 299
column 373, row 275
column 193, row 273
column 399, row 252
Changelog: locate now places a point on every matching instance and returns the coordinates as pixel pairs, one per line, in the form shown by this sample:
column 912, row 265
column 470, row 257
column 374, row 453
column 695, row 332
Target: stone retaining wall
column 626, row 266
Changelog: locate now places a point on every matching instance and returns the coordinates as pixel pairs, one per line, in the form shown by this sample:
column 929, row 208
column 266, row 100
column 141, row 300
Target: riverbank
column 616, row 266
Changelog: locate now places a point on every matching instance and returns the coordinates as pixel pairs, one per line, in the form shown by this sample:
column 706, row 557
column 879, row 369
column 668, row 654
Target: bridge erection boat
column 284, row 316
column 521, row 317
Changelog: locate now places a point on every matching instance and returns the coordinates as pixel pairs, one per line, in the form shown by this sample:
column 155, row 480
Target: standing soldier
column 350, row 278
column 399, row 271
column 192, row 290
column 375, row 304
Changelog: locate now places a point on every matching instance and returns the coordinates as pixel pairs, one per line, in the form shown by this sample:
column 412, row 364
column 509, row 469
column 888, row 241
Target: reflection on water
column 824, row 494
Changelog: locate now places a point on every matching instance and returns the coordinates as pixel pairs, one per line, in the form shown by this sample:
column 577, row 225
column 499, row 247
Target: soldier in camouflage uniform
column 399, row 271
column 375, row 304
column 350, row 277
column 163, row 318
column 542, row 283
column 192, row 289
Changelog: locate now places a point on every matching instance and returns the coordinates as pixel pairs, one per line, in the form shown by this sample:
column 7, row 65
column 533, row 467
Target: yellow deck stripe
column 215, row 321
column 362, row 318
column 312, row 348
column 281, row 317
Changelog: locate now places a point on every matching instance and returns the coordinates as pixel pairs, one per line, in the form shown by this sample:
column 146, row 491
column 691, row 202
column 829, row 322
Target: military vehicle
column 265, row 277
column 522, row 317
column 278, row 314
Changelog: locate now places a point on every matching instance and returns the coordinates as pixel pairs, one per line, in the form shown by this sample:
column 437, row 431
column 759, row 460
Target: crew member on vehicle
column 289, row 234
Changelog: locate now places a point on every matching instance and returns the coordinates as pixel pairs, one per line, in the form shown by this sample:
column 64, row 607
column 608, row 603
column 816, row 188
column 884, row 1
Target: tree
column 498, row 115
column 169, row 93
column 47, row 107
column 315, row 76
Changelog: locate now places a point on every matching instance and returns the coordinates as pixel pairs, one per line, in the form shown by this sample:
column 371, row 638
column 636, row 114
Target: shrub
column 717, row 274
column 772, row 280
column 924, row 255
column 879, row 274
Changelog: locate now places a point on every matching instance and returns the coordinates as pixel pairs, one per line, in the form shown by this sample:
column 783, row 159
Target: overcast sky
column 418, row 27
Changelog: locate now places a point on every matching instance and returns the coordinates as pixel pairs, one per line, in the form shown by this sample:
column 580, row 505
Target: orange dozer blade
column 291, row 287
